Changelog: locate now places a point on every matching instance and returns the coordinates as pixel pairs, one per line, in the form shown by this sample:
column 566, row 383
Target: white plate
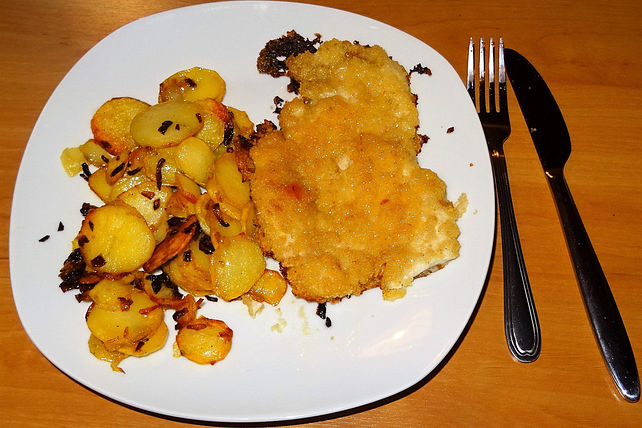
column 373, row 350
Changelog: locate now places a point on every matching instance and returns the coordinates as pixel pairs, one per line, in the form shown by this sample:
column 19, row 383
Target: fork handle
column 520, row 317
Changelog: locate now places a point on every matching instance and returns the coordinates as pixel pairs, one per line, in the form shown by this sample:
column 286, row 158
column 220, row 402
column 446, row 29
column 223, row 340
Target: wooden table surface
column 589, row 53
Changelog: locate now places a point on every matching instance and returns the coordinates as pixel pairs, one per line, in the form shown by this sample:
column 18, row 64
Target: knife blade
column 553, row 144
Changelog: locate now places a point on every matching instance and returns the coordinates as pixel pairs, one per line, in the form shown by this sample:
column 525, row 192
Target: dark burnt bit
column 321, row 310
column 125, row 303
column 74, row 277
column 191, row 83
column 228, row 133
column 245, row 143
column 216, row 209
column 420, row 69
column 294, row 86
column 211, row 298
column 61, row 226
column 175, row 221
column 82, row 240
column 98, row 261
column 272, row 57
column 104, row 158
column 230, row 149
column 91, row 225
column 118, row 169
column 44, row 238
column 160, row 280
column 159, row 173
column 450, row 130
column 156, row 204
column 85, row 208
column 423, row 139
column 278, row 104
column 187, row 256
column 147, row 194
column 85, row 169
column 199, row 118
column 178, row 314
column 140, row 344
column 134, row 171
column 164, row 126
column 205, row 244
column 328, row 322
column 177, row 127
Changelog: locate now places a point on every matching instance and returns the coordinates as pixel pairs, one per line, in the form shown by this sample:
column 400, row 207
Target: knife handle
column 520, row 317
column 600, row 305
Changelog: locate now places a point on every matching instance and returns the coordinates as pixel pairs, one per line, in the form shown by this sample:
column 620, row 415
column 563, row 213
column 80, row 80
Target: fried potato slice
column 72, row 159
column 218, row 126
column 269, row 288
column 147, row 345
column 191, row 270
column 149, row 201
column 204, row 340
column 137, row 318
column 194, row 157
column 110, row 124
column 115, row 238
column 98, row 350
column 235, row 266
column 166, row 124
column 94, row 153
column 99, row 185
column 177, row 239
column 161, row 289
column 230, row 180
column 116, row 168
column 193, row 84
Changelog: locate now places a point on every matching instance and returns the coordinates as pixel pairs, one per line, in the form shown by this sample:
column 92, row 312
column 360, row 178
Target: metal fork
column 520, row 317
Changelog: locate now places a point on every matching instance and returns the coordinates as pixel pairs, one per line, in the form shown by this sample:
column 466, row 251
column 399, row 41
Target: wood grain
column 588, row 53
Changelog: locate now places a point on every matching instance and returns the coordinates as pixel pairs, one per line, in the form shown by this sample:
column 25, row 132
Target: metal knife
column 553, row 144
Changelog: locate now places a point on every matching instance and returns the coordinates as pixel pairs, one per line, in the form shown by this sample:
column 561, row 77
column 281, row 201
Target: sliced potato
column 166, row 124
column 213, row 220
column 228, row 177
column 111, row 122
column 194, row 157
column 218, row 127
column 108, row 294
column 161, row 290
column 115, row 239
column 193, row 84
column 149, row 201
column 242, row 123
column 94, row 153
column 147, row 345
column 188, row 185
column 137, row 318
column 177, row 239
column 99, row 185
column 72, row 159
column 98, row 350
column 269, row 288
column 204, row 340
column 117, row 167
column 160, row 165
column 235, row 266
column 125, row 183
column 191, row 272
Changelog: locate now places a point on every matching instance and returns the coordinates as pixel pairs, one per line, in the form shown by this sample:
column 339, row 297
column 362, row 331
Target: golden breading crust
column 341, row 201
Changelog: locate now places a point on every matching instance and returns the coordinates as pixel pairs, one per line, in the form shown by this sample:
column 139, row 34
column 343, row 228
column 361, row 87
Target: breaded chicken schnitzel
column 341, row 201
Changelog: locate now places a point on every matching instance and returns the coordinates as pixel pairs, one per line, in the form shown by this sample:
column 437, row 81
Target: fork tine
column 491, row 76
column 482, row 77
column 470, row 79
column 503, row 101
